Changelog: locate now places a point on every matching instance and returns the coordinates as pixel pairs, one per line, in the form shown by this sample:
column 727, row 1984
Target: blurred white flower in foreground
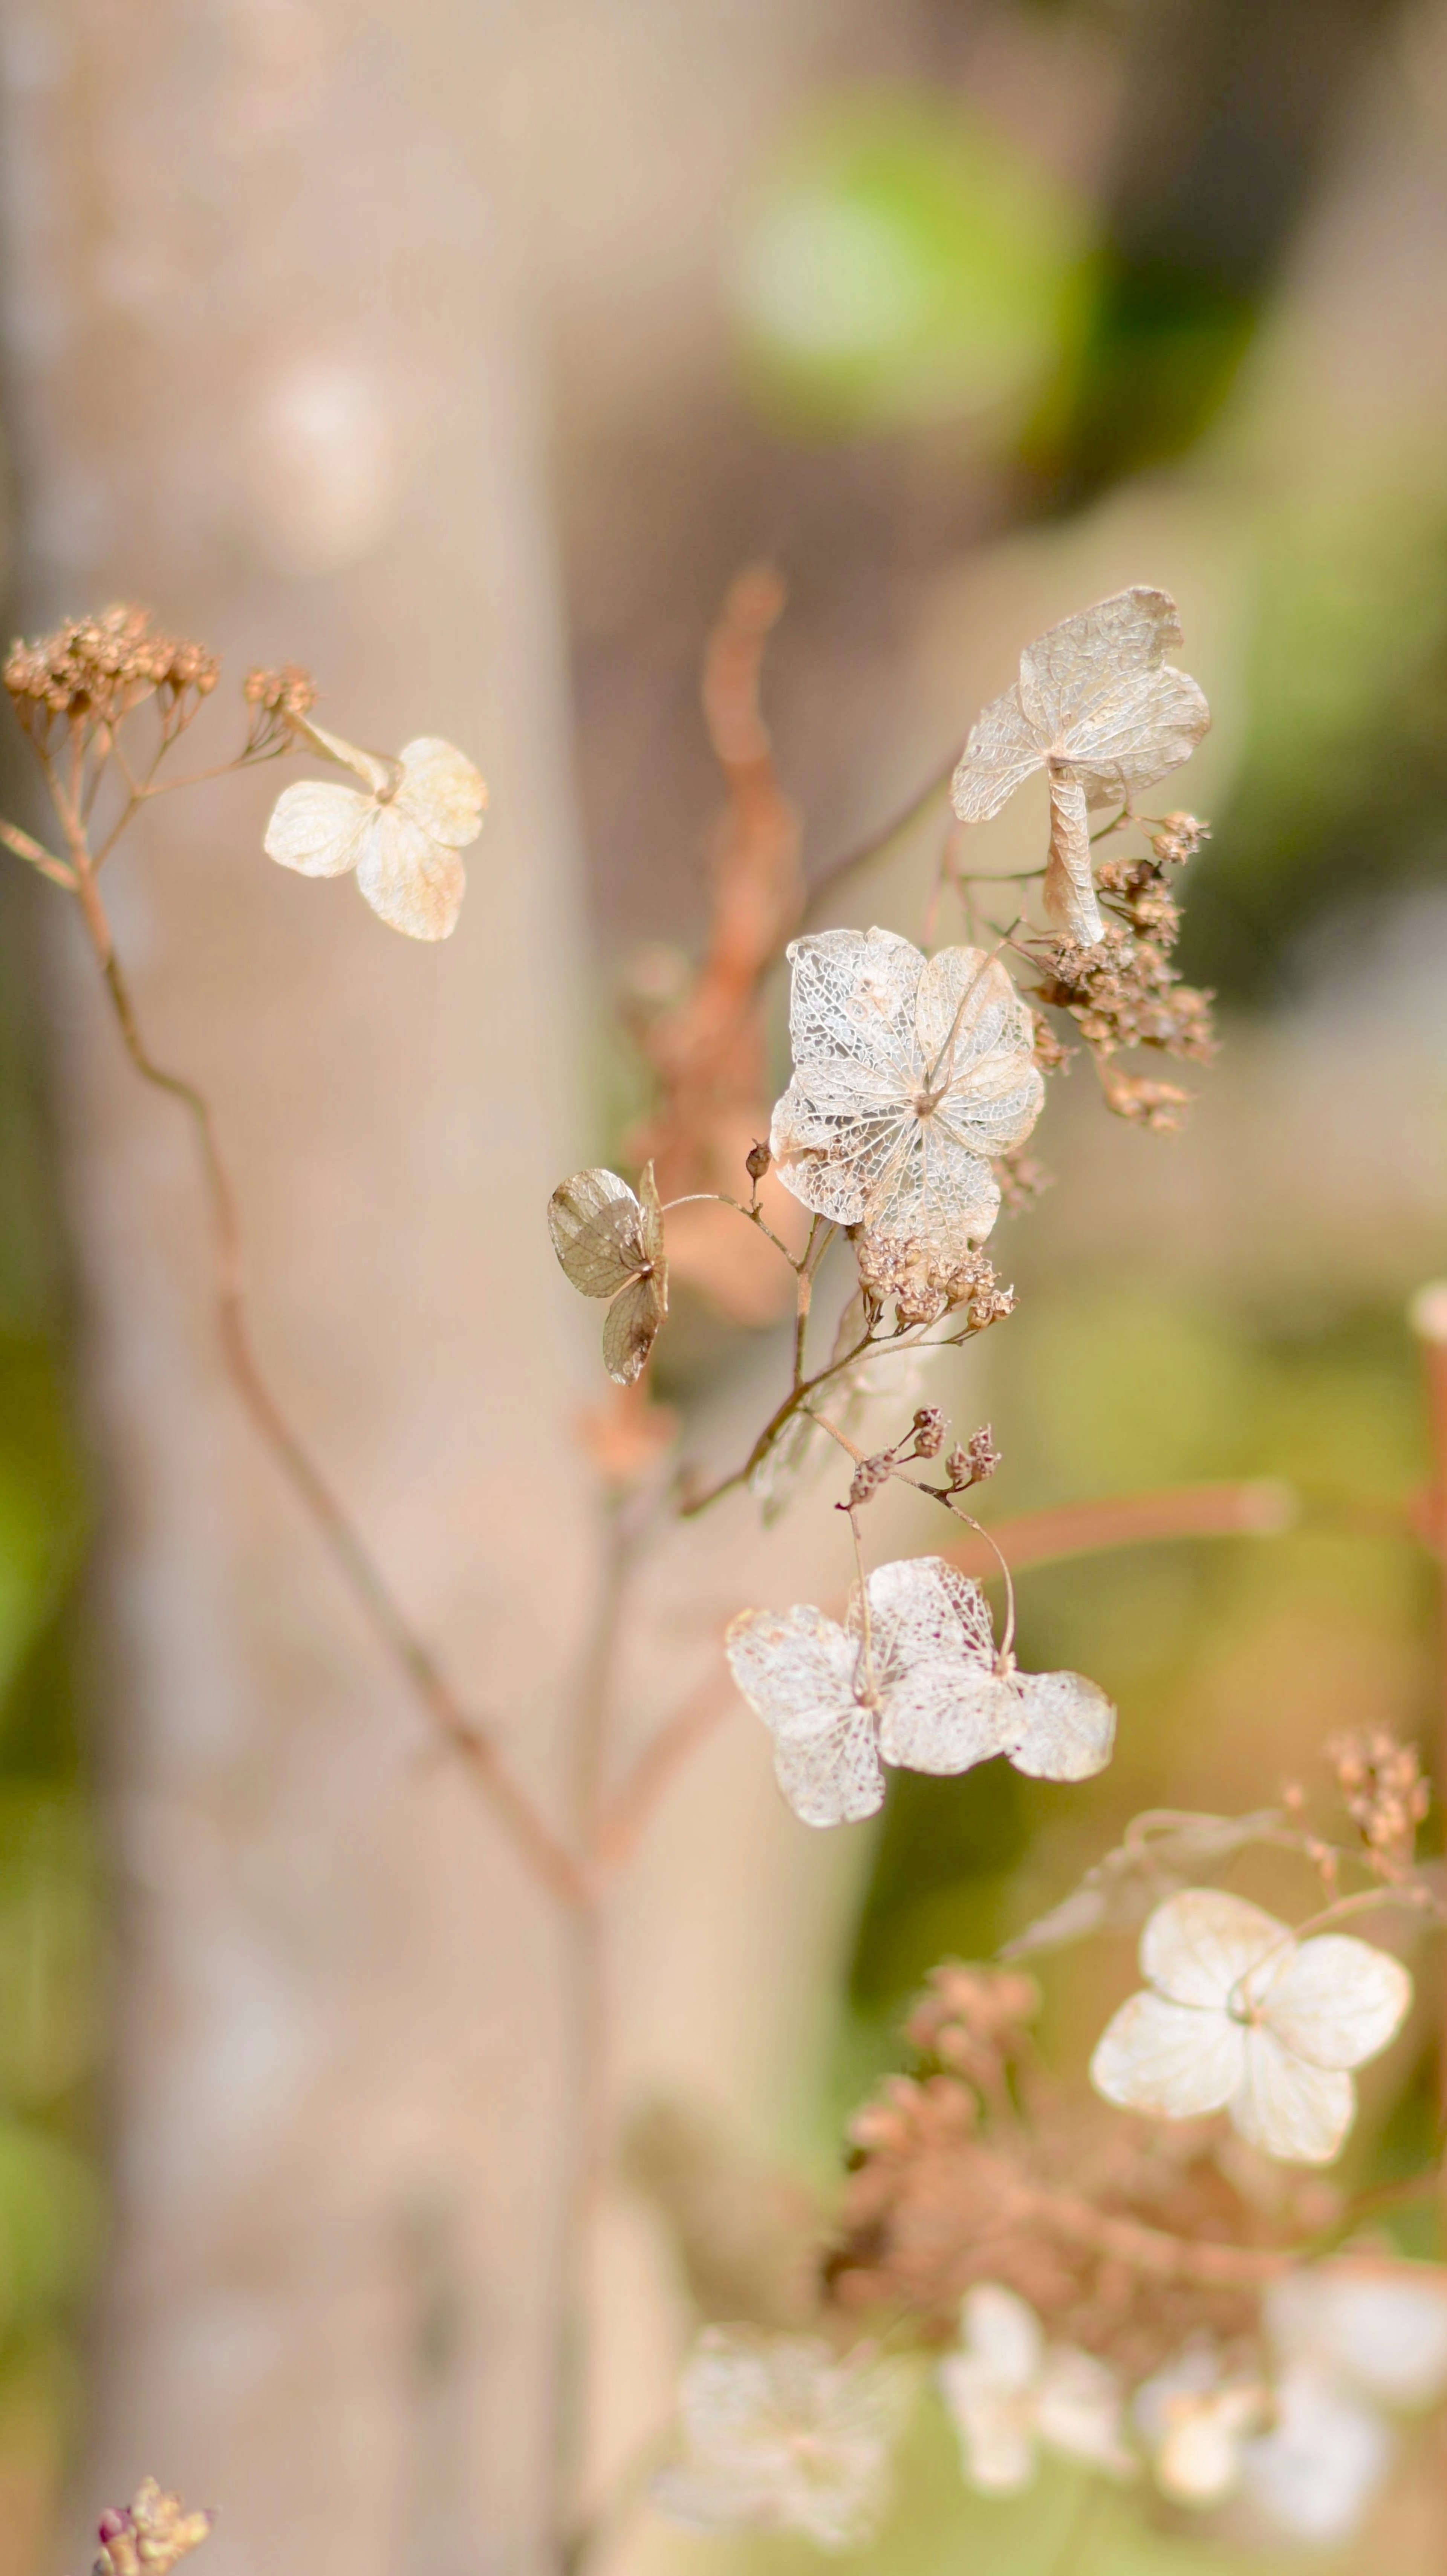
column 1100, row 711
column 609, row 1243
column 1351, row 2339
column 1242, row 2017
column 912, row 1678
column 780, row 2433
column 1011, row 2393
column 909, row 1074
column 402, row 836
column 1195, row 2418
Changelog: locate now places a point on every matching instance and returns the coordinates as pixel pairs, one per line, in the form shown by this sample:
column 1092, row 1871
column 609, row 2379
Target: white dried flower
column 782, row 2434
column 909, row 1074
column 402, row 835
column 1313, row 2474
column 609, row 1242
column 1381, row 2328
column 1196, row 2418
column 1244, row 2018
column 1100, row 711
column 912, row 1678
column 1012, row 2394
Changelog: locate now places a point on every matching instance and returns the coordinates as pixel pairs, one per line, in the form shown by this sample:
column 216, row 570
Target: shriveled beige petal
column 796, row 1668
column 442, row 791
column 597, row 1230
column 1069, row 890
column 834, row 1778
column 1296, row 2112
column 1086, row 658
column 1002, row 750
column 1137, row 733
column 942, row 1717
column 1168, row 2059
column 1199, row 1947
column 377, row 774
column 997, row 2452
column 652, row 1207
column 317, row 828
column 919, row 1607
column 631, row 1327
column 412, row 883
column 1002, row 2335
column 1335, row 2001
column 1078, row 2411
column 1063, row 1727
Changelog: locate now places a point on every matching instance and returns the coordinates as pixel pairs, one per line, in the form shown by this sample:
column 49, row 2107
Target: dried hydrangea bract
column 1241, row 2017
column 1098, row 708
column 401, row 831
column 782, row 2435
column 1011, row 2394
column 910, row 1073
column 609, row 1241
column 912, row 1678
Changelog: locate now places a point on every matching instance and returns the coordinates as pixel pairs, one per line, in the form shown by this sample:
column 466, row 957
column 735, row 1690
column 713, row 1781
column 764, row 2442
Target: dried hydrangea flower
column 402, row 835
column 609, row 1240
column 909, row 1074
column 912, row 1678
column 1240, row 2016
column 150, row 2535
column 1099, row 709
column 1012, row 2394
column 781, row 2434
column 922, row 1283
column 1196, row 2418
column 92, row 671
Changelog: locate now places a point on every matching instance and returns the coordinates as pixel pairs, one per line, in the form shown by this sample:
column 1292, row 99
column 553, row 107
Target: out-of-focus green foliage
column 908, row 262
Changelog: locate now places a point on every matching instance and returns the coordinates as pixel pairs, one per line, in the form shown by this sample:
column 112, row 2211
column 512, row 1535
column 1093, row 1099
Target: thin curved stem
column 830, row 878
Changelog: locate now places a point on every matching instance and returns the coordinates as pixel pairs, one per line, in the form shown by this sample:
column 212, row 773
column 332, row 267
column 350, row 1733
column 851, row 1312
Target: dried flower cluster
column 150, row 2535
column 92, row 671
column 922, row 1284
column 1382, row 1788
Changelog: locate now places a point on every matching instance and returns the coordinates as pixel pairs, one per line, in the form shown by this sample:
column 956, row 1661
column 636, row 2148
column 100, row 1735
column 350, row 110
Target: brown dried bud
column 1157, row 1105
column 869, row 1475
column 1047, row 1049
column 285, row 695
column 1382, row 1788
column 757, row 1161
column 1179, row 838
column 93, row 670
column 929, row 1431
column 982, row 1454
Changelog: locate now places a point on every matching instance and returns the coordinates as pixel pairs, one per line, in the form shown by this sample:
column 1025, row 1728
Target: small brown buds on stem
column 150, row 2535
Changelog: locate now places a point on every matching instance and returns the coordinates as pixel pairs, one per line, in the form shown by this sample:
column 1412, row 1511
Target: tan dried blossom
column 914, row 1679
column 1160, row 1106
column 402, row 835
column 1239, row 2016
column 1122, row 991
column 150, row 2535
column 1099, row 709
column 1022, row 1179
column 282, row 699
column 1381, row 1785
column 1049, row 1053
column 909, row 1074
column 1178, row 837
column 923, row 1284
column 609, row 1242
column 92, row 671
column 1012, row 2394
column 782, row 2435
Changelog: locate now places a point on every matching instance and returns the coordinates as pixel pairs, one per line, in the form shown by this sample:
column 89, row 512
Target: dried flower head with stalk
column 1102, row 712
column 400, row 832
column 609, row 1243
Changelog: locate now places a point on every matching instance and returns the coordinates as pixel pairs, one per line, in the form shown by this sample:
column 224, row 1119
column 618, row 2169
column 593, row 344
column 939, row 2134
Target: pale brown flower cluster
column 922, row 1283
column 1124, row 992
column 150, row 2535
column 280, row 701
column 1382, row 1788
column 93, row 670
column 1127, row 2237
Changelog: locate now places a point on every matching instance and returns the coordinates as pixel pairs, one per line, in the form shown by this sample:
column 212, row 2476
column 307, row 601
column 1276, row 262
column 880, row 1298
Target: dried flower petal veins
column 609, row 1240
column 1100, row 710
column 781, row 2434
column 401, row 831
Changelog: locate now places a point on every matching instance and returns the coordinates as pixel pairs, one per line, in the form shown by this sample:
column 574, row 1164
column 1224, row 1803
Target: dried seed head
column 1157, row 1105
column 1122, row 991
column 1382, row 1788
column 1179, row 838
column 93, row 670
column 929, row 1431
column 923, row 1284
column 757, row 1161
column 982, row 1454
column 869, row 1476
column 1048, row 1052
column 281, row 698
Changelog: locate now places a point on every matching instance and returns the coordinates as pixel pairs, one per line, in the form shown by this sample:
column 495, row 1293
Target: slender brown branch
column 797, row 1396
column 37, row 854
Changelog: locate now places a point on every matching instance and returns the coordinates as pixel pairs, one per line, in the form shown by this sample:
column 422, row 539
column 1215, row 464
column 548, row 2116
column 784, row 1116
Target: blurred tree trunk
column 267, row 372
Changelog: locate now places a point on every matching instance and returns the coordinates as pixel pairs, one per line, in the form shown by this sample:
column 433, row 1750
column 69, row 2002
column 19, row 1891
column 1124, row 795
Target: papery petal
column 1069, row 890
column 1073, row 666
column 942, row 1718
column 831, row 1159
column 997, row 2453
column 596, row 1225
column 1002, row 2335
column 934, row 1191
column 796, row 1668
column 1335, row 2001
column 923, row 1607
column 1315, row 2473
column 1168, row 2059
column 1200, row 2458
column 1002, row 750
column 1295, row 2112
column 1078, row 2410
column 377, row 774
column 833, row 1778
column 1137, row 733
column 852, row 996
column 1063, row 1727
column 631, row 1326
column 318, row 828
column 1381, row 2327
column 412, row 883
column 442, row 791
column 1200, row 1946
column 966, row 1008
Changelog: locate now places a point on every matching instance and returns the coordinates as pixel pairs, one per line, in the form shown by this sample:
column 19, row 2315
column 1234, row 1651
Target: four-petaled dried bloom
column 1011, row 2394
column 609, row 1240
column 782, row 2435
column 402, row 835
column 1385, row 1795
column 1098, row 708
column 93, row 670
column 909, row 1074
column 929, row 1431
column 912, row 1678
column 1179, row 838
column 1242, row 2017
column 922, row 1284
column 148, row 2536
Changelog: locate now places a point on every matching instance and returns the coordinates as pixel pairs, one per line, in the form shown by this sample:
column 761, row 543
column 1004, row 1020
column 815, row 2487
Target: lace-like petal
column 442, row 791
column 318, row 828
column 1200, row 1946
column 631, row 1326
column 1002, row 750
column 1166, row 2058
column 1136, row 733
column 412, row 883
column 1069, row 890
column 834, row 1778
column 795, row 1668
column 1074, row 667
column 943, row 1717
column 1336, row 2001
column 1063, row 1727
column 852, row 997
column 596, row 1225
column 921, row 1606
column 1297, row 2112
